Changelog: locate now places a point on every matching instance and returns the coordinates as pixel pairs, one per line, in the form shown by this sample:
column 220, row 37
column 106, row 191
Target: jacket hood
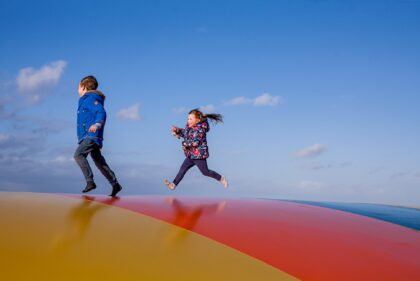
column 204, row 124
column 98, row 94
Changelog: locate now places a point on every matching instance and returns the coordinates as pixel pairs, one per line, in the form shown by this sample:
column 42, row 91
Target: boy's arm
column 100, row 116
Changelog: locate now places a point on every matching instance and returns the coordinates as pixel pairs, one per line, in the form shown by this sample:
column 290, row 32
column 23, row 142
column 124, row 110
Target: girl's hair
column 201, row 116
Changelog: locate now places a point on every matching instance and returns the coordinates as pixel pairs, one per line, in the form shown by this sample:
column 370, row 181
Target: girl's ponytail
column 213, row 116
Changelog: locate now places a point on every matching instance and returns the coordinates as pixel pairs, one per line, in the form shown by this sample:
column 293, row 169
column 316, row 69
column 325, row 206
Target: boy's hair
column 201, row 116
column 89, row 82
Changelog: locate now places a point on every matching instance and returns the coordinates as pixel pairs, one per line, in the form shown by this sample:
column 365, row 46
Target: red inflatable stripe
column 309, row 242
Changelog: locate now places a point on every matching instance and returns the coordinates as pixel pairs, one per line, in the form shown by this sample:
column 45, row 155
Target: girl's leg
column 202, row 166
column 188, row 164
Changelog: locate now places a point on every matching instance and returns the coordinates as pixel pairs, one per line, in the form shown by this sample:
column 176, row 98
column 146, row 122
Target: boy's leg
column 105, row 170
column 188, row 164
column 202, row 166
column 85, row 147
column 102, row 165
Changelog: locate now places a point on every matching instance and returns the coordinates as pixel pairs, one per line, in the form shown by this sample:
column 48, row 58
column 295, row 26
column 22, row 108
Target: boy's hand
column 93, row 129
column 174, row 129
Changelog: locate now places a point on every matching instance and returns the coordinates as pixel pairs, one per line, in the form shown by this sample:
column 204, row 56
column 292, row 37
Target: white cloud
column 129, row 113
column 30, row 79
column 264, row 99
column 310, row 151
column 61, row 159
column 239, row 101
column 208, row 108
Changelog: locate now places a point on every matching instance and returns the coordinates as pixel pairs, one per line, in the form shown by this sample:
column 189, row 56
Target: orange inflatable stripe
column 309, row 242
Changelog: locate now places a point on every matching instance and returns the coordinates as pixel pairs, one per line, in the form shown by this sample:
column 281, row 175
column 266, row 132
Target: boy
column 91, row 118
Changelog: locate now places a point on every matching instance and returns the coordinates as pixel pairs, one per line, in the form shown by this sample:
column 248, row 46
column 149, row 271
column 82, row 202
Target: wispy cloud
column 59, row 173
column 311, row 151
column 130, row 113
column 180, row 110
column 22, row 144
column 63, row 159
column 208, row 108
column 5, row 139
column 30, row 80
column 264, row 99
column 239, row 101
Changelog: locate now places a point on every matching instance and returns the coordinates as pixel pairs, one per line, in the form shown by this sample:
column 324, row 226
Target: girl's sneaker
column 224, row 181
column 169, row 184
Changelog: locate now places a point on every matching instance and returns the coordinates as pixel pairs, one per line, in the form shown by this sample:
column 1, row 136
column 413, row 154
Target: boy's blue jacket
column 90, row 112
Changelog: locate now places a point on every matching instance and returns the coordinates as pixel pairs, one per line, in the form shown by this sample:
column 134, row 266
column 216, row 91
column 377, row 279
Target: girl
column 195, row 146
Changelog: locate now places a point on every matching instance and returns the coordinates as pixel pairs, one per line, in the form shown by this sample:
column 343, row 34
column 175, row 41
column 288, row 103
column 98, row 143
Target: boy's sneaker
column 224, row 182
column 89, row 186
column 116, row 187
column 169, row 184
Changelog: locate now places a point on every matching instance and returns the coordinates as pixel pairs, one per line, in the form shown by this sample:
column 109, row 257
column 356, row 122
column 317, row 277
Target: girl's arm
column 177, row 132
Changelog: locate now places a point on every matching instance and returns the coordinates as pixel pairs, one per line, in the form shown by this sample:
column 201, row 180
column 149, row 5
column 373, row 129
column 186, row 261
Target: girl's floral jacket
column 195, row 141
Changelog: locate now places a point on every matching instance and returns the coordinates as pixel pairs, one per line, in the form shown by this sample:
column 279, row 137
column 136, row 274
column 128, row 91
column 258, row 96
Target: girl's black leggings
column 202, row 166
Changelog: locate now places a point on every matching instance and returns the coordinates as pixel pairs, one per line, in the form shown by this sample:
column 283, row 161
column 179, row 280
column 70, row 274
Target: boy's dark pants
column 202, row 166
column 89, row 146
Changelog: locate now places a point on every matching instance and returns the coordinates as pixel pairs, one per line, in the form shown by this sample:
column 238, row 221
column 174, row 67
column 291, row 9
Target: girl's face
column 192, row 120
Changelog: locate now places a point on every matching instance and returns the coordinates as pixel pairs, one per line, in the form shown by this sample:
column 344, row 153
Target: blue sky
column 320, row 98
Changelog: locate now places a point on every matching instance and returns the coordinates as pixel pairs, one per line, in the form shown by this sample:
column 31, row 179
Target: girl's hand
column 174, row 132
